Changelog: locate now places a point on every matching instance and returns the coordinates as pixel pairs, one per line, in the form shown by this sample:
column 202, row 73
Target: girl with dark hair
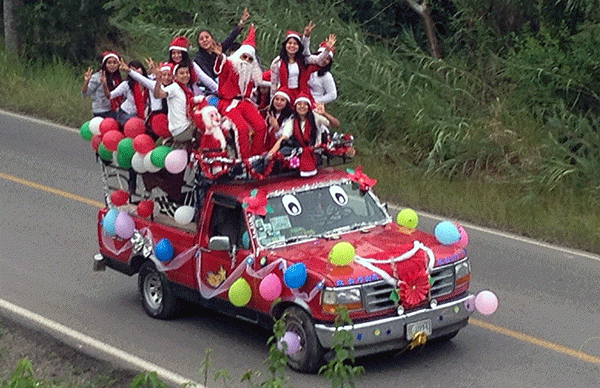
column 277, row 113
column 178, row 55
column 136, row 96
column 321, row 83
column 109, row 73
column 205, row 58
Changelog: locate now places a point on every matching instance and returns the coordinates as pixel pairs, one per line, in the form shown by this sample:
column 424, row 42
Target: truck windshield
column 318, row 212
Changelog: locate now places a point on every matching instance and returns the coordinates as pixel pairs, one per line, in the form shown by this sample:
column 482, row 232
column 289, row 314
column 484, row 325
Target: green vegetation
column 502, row 132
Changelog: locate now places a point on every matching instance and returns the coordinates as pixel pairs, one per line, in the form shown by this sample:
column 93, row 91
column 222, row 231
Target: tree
column 424, row 9
column 11, row 21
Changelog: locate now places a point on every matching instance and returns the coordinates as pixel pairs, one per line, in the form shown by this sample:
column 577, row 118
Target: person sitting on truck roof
column 277, row 113
column 178, row 55
column 321, row 82
column 136, row 97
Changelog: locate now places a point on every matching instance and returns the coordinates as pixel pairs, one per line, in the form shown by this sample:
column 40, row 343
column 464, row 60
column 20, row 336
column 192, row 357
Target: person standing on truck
column 321, row 82
column 205, row 58
column 136, row 97
column 92, row 85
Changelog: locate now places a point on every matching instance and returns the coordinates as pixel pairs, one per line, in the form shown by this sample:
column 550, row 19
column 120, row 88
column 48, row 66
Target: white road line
column 39, row 121
column 126, row 358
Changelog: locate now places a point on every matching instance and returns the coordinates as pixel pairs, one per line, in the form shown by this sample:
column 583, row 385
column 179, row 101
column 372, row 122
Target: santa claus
column 238, row 75
column 213, row 137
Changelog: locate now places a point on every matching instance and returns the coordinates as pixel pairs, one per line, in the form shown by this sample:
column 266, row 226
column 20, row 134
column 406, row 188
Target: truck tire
column 155, row 291
column 310, row 357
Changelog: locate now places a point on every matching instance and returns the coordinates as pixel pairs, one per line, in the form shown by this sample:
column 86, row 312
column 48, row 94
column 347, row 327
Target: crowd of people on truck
column 225, row 95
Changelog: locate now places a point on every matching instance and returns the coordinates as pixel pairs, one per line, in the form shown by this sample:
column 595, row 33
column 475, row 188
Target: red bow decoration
column 256, row 203
column 361, row 178
column 414, row 289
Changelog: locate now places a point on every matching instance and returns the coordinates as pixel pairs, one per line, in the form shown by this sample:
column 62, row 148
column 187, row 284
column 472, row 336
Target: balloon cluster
column 118, row 223
column 132, row 147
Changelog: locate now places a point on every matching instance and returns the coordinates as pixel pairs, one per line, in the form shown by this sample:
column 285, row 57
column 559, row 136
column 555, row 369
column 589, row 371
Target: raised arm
column 205, row 79
column 158, row 90
column 320, row 59
column 226, row 43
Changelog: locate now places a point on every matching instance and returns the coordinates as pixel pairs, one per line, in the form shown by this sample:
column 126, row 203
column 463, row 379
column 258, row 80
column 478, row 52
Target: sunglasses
column 247, row 58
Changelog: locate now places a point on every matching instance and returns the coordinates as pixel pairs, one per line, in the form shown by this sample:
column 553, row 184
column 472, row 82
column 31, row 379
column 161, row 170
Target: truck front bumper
column 391, row 332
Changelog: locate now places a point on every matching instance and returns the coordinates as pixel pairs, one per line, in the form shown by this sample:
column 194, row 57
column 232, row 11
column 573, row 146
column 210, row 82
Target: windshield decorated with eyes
column 318, row 212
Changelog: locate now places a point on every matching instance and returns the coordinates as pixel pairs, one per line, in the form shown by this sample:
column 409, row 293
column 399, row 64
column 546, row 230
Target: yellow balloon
column 240, row 293
column 408, row 218
column 342, row 253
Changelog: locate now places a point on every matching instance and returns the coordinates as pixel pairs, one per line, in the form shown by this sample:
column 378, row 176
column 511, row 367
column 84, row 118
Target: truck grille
column 377, row 294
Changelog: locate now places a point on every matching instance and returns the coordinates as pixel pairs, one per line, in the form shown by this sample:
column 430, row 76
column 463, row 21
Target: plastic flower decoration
column 256, row 203
column 414, row 289
column 295, row 162
column 361, row 178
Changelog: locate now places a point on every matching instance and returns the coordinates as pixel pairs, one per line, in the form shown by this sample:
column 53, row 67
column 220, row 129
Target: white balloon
column 95, row 125
column 184, row 215
column 137, row 163
column 176, row 161
column 148, row 163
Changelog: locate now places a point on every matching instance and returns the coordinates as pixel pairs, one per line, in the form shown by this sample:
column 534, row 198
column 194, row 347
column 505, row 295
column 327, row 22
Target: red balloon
column 96, row 140
column 143, row 143
column 160, row 125
column 145, row 208
column 133, row 127
column 119, row 197
column 112, row 138
column 108, row 124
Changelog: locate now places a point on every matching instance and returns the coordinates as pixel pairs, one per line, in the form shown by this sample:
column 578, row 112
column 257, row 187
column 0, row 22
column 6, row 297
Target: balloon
column 270, row 287
column 160, row 125
column 85, row 132
column 246, row 240
column 470, row 304
column 137, row 163
column 108, row 223
column 95, row 125
column 145, row 208
column 105, row 153
column 164, row 250
column 486, row 302
column 292, row 340
column 125, row 147
column 124, row 226
column 108, row 124
column 408, row 218
column 148, row 163
column 111, row 139
column 184, row 214
column 176, row 161
column 143, row 143
column 159, row 154
column 119, row 197
column 342, row 253
column 213, row 100
column 295, row 275
column 447, row 233
column 123, row 160
column 96, row 140
column 464, row 237
column 133, row 127
column 240, row 293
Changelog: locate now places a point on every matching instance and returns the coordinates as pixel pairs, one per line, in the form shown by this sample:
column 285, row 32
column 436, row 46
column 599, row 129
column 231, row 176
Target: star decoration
column 364, row 181
column 256, row 203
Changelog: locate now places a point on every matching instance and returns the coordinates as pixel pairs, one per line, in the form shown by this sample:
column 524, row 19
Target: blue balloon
column 246, row 240
column 108, row 223
column 447, row 233
column 164, row 250
column 295, row 276
column 212, row 100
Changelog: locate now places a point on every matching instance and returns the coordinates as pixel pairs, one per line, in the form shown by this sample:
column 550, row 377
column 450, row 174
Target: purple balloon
column 470, row 304
column 292, row 340
column 486, row 302
column 124, row 226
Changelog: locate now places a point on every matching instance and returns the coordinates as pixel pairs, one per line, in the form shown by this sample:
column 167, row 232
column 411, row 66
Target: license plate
column 420, row 326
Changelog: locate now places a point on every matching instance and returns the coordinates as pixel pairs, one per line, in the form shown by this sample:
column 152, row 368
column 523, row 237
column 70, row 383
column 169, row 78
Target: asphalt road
column 546, row 332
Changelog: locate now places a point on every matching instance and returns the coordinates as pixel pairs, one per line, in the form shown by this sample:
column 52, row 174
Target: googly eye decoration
column 339, row 195
column 291, row 205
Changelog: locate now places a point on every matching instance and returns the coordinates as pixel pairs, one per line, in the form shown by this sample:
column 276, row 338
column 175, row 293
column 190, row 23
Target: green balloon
column 125, row 148
column 124, row 160
column 85, row 132
column 159, row 154
column 105, row 153
column 240, row 293
column 342, row 253
column 408, row 218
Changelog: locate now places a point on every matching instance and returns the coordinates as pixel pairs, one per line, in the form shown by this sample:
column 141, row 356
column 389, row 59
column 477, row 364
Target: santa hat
column 267, row 75
column 110, row 54
column 282, row 92
column 303, row 97
column 166, row 66
column 323, row 47
column 293, row 34
column 179, row 43
column 248, row 47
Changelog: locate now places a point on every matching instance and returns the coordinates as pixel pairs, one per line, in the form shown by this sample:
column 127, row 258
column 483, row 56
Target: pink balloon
column 176, row 161
column 464, row 237
column 270, row 287
column 124, row 226
column 486, row 302
column 292, row 340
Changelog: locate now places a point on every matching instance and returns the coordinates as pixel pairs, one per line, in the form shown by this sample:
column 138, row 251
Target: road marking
column 497, row 329
column 127, row 358
column 536, row 341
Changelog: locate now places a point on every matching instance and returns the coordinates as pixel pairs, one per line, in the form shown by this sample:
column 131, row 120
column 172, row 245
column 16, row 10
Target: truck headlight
column 462, row 273
column 350, row 297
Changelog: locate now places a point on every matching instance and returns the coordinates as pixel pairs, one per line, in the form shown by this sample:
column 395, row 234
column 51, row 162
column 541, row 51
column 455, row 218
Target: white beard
column 246, row 72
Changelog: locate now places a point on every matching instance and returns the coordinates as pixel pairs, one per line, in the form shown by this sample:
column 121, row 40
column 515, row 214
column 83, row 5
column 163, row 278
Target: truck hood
column 377, row 244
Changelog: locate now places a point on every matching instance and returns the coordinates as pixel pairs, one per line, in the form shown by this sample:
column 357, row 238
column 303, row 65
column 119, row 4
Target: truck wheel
column 310, row 356
column 155, row 291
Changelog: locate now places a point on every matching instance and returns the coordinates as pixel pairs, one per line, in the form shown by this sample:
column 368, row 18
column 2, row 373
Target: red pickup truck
column 259, row 248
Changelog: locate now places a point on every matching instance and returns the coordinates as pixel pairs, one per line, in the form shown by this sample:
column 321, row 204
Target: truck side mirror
column 219, row 243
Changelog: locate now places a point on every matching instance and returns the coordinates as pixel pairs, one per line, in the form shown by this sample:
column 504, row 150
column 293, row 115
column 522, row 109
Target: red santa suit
column 212, row 137
column 237, row 78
